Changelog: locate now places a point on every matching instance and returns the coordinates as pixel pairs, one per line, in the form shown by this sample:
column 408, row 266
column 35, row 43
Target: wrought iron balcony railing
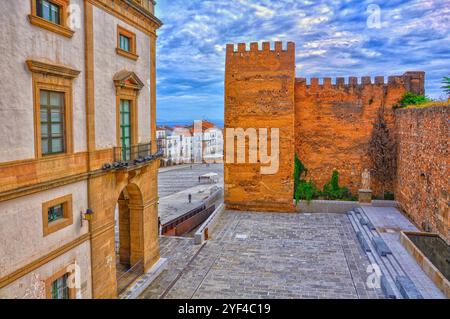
column 134, row 155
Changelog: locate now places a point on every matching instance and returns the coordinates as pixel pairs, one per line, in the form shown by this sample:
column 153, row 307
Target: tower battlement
column 412, row 81
column 256, row 47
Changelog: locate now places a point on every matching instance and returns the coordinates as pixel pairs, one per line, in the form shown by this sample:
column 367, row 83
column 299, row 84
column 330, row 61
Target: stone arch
column 130, row 250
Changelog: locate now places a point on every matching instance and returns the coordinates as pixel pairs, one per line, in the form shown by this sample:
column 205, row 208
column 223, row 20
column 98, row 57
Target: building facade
column 77, row 146
column 201, row 142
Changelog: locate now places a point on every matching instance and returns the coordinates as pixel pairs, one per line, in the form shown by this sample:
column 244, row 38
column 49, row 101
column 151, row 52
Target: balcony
column 125, row 157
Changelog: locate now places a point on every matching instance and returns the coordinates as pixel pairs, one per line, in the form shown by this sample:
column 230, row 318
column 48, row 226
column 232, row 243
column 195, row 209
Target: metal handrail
column 127, row 278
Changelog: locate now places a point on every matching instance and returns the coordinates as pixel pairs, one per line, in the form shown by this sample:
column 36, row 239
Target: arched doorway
column 128, row 237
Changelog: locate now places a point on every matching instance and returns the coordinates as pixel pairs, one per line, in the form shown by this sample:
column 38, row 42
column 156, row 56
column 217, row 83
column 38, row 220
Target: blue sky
column 333, row 38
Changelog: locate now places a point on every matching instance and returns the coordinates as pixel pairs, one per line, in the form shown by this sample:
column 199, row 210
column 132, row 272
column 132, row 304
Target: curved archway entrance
column 129, row 236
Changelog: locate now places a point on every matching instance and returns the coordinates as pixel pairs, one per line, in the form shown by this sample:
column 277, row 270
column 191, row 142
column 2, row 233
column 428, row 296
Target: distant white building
column 208, row 142
column 198, row 143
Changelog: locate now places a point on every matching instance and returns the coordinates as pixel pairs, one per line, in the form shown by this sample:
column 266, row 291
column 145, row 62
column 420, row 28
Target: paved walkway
column 255, row 255
column 175, row 179
column 389, row 222
column 177, row 182
column 175, row 205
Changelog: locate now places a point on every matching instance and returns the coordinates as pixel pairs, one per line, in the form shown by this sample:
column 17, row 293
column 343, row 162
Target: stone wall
column 334, row 123
column 259, row 90
column 423, row 168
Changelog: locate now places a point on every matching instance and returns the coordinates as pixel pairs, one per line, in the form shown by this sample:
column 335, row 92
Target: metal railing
column 125, row 279
column 134, row 155
column 173, row 223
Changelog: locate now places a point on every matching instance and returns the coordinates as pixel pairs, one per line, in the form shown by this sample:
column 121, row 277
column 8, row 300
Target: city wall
column 423, row 167
column 327, row 123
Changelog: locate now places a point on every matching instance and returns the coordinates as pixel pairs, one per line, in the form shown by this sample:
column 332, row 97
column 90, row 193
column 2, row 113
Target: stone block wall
column 423, row 168
column 334, row 123
column 259, row 91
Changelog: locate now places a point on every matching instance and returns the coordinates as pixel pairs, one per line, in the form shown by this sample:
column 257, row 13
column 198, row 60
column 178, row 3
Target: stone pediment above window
column 126, row 79
column 54, row 69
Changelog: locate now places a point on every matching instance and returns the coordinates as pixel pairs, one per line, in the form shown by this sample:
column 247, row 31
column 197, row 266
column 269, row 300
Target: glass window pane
column 56, row 99
column 44, row 115
column 126, row 119
column 124, row 43
column 60, row 289
column 55, row 14
column 55, row 213
column 125, row 104
column 44, row 130
column 56, row 130
column 57, row 145
column 44, row 146
column 56, row 116
column 46, row 10
column 44, row 97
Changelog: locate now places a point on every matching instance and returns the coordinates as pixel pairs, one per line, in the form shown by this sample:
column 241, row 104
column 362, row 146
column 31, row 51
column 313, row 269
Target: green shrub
column 299, row 171
column 306, row 190
column 411, row 99
column 332, row 190
column 389, row 196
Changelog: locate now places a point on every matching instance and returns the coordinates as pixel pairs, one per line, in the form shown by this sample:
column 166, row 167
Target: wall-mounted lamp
column 87, row 216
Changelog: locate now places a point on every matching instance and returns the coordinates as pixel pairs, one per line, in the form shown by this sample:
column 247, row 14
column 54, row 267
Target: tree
column 446, row 82
column 382, row 152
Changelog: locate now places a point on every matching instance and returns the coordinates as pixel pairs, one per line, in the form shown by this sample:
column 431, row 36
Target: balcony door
column 125, row 129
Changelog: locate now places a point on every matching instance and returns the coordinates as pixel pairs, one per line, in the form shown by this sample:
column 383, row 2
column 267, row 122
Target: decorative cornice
column 145, row 12
column 131, row 13
column 52, row 69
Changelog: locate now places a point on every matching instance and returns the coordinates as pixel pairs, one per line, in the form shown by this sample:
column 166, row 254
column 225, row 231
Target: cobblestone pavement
column 173, row 180
column 389, row 222
column 253, row 255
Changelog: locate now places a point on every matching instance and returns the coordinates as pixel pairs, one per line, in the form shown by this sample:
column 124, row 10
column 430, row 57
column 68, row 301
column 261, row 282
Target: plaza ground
column 176, row 183
column 273, row 255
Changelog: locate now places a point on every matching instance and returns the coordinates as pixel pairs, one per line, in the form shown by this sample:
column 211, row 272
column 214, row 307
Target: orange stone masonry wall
column 334, row 123
column 259, row 91
column 423, row 169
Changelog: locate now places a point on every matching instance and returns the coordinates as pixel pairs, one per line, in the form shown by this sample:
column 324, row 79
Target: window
column 52, row 122
column 51, row 15
column 57, row 286
column 125, row 129
column 57, row 214
column 60, row 289
column 48, row 11
column 126, row 43
column 53, row 100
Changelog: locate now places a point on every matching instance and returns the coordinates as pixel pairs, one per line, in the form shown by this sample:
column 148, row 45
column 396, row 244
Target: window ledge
column 55, row 226
column 56, row 28
column 126, row 54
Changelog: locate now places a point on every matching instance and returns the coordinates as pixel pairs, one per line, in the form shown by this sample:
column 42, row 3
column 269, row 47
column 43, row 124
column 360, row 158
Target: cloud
column 332, row 38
